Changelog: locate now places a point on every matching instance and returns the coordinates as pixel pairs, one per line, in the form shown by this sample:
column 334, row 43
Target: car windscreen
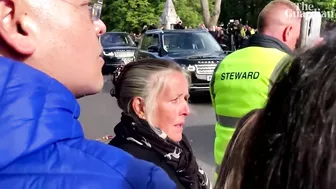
column 190, row 43
column 116, row 39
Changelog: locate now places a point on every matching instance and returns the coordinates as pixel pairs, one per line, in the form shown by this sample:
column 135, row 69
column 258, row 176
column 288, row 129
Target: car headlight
column 108, row 54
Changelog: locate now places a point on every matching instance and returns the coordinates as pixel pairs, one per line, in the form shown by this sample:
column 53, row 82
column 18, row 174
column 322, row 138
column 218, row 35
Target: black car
column 196, row 51
column 119, row 48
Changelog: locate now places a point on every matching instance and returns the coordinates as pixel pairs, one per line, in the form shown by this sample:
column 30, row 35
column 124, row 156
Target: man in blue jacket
column 49, row 56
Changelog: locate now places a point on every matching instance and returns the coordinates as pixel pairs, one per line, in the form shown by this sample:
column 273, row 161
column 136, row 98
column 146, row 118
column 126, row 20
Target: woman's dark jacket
column 136, row 137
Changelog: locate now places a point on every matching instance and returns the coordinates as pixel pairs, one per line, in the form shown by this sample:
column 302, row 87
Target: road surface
column 100, row 113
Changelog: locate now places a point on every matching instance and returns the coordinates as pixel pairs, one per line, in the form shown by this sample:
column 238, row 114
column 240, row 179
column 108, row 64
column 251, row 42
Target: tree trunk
column 210, row 20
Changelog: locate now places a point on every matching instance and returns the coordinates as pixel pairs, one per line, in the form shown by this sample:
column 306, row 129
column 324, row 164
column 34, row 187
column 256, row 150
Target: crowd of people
column 275, row 126
column 233, row 36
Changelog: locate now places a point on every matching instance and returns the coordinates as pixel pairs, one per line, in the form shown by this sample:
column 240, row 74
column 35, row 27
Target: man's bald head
column 281, row 19
column 276, row 13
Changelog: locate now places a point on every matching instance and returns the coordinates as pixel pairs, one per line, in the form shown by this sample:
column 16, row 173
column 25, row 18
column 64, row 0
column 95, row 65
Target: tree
column 326, row 7
column 248, row 10
column 210, row 20
column 189, row 12
column 126, row 15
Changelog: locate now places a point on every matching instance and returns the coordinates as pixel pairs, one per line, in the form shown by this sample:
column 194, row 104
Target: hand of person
column 105, row 139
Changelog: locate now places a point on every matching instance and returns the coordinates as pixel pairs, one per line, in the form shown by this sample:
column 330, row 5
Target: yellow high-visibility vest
column 240, row 84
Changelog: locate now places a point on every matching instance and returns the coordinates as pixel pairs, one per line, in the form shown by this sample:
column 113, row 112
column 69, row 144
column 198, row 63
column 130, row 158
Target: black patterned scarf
column 178, row 155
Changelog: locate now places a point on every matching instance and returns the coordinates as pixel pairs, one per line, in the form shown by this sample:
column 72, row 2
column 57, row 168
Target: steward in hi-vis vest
column 241, row 83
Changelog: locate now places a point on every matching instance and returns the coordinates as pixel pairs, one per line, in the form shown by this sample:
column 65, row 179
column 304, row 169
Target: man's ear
column 17, row 29
column 287, row 33
column 139, row 107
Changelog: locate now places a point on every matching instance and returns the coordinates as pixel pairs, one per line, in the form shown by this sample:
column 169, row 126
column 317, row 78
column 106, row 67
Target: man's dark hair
column 179, row 25
column 152, row 27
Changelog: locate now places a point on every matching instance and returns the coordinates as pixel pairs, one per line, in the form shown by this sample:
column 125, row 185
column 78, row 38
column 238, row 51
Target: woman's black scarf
column 178, row 155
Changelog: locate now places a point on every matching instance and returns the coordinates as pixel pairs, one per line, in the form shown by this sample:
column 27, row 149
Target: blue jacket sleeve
column 160, row 180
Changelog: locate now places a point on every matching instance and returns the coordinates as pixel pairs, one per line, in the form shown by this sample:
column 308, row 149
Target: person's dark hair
column 293, row 142
column 152, row 27
column 328, row 29
column 179, row 26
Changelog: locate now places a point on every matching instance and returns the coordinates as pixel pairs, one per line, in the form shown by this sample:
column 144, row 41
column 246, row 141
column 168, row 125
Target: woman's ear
column 138, row 106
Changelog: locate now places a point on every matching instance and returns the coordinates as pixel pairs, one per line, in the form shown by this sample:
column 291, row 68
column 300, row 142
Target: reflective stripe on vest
column 227, row 121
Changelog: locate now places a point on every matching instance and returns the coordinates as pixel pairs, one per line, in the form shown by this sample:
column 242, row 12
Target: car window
column 116, row 39
column 146, row 41
column 155, row 40
column 149, row 40
column 192, row 42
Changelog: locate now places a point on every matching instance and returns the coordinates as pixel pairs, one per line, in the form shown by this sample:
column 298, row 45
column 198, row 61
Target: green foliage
column 124, row 15
column 189, row 12
column 127, row 15
column 248, row 10
column 326, row 7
